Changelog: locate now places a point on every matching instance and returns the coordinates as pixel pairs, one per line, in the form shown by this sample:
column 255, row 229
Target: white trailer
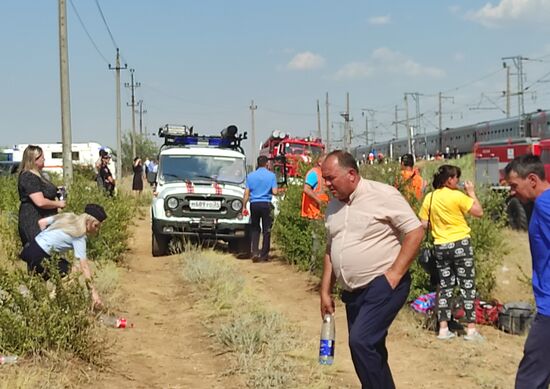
column 85, row 154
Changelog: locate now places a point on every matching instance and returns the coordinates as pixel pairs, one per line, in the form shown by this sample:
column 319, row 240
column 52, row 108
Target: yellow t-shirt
column 447, row 214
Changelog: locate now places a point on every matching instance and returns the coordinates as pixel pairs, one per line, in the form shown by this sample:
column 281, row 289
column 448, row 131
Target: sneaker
column 475, row 337
column 447, row 336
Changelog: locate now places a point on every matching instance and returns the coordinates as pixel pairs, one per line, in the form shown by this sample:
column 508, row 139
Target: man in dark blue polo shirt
column 260, row 186
column 527, row 180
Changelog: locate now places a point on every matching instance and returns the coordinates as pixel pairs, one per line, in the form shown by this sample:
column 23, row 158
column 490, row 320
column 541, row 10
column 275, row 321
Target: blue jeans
column 370, row 312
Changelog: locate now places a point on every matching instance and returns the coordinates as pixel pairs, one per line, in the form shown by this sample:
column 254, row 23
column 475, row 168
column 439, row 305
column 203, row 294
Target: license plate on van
column 205, row 204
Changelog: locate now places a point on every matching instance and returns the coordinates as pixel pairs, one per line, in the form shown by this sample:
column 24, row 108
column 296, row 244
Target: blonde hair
column 28, row 161
column 72, row 224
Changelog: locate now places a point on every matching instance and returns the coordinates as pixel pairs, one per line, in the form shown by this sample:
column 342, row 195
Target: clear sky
column 202, row 62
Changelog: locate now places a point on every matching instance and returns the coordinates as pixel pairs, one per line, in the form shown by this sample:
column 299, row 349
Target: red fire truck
column 491, row 157
column 287, row 152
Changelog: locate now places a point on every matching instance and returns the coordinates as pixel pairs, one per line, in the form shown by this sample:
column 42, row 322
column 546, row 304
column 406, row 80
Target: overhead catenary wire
column 87, row 32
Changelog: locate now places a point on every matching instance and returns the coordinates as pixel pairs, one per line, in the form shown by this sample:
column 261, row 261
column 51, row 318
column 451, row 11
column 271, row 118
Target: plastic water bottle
column 8, row 359
column 113, row 321
column 62, row 193
column 328, row 336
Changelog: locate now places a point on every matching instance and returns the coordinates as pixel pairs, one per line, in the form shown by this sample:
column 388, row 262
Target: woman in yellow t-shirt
column 444, row 208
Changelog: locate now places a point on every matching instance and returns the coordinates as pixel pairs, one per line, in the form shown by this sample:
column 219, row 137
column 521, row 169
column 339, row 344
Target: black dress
column 137, row 183
column 29, row 214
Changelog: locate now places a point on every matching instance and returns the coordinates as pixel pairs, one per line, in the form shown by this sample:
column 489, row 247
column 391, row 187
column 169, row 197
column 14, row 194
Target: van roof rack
column 182, row 135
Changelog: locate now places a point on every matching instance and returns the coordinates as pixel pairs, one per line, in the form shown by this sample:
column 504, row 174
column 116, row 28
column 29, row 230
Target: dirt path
column 169, row 348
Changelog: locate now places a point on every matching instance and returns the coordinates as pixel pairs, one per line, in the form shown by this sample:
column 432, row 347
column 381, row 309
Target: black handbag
column 426, row 258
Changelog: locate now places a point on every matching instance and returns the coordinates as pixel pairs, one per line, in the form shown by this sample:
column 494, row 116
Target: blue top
column 57, row 241
column 311, row 179
column 539, row 241
column 261, row 182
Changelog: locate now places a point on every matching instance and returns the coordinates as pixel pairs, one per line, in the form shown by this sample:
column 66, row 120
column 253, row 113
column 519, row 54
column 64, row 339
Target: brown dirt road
column 169, row 348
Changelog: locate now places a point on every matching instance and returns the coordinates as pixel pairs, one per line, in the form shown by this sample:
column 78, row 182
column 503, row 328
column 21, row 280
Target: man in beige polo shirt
column 373, row 237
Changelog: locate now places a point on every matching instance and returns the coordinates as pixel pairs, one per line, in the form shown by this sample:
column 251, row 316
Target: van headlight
column 172, row 203
column 237, row 205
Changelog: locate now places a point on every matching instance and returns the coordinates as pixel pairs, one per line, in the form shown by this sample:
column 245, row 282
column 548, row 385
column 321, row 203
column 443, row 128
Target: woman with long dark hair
column 37, row 194
column 445, row 209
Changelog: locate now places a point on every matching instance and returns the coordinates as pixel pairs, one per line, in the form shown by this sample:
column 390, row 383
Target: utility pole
column 518, row 63
column 440, row 117
column 141, row 111
column 396, row 123
column 347, row 129
column 416, row 97
column 133, row 85
column 253, row 108
column 507, row 90
column 328, row 123
column 117, row 68
column 319, row 134
column 409, row 138
column 65, row 95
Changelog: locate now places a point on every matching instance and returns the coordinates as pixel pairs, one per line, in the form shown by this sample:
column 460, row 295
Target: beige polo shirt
column 364, row 234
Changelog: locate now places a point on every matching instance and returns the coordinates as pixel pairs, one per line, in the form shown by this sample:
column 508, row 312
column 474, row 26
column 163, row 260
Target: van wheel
column 517, row 216
column 159, row 244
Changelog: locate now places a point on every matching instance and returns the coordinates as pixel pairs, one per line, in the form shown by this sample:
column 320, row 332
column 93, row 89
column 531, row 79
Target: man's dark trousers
column 534, row 368
column 370, row 312
column 260, row 211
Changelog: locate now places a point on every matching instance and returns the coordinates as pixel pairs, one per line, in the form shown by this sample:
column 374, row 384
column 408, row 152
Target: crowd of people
column 373, row 236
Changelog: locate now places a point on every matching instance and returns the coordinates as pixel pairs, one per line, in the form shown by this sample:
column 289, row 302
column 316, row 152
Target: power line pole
column 117, row 69
column 507, row 90
column 407, row 125
column 518, row 63
column 396, row 123
column 328, row 122
column 141, row 111
column 65, row 95
column 319, row 134
column 440, row 117
column 253, row 108
column 347, row 129
column 133, row 85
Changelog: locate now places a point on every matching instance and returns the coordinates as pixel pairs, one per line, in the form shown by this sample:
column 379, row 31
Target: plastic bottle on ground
column 113, row 321
column 328, row 336
column 8, row 359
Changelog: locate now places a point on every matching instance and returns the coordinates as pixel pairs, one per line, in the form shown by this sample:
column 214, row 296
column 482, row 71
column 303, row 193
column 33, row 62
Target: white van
column 82, row 154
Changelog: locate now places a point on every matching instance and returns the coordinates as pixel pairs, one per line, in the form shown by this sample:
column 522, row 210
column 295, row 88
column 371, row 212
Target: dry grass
column 267, row 349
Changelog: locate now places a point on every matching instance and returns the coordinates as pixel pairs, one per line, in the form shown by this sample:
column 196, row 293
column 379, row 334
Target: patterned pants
column 455, row 261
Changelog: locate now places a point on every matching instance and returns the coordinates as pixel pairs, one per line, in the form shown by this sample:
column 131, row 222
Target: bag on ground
column 515, row 318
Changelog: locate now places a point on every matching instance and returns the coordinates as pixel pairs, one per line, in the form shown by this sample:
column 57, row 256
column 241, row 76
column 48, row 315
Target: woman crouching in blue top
column 61, row 233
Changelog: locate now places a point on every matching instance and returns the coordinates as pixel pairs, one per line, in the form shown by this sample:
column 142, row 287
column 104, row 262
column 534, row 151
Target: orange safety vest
column 310, row 209
column 413, row 182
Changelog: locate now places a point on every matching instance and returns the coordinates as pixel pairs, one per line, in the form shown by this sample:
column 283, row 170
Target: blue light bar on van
column 197, row 140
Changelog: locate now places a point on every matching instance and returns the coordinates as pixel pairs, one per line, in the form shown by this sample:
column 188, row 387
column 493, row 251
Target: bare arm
column 327, row 283
column 87, row 272
column 41, row 202
column 477, row 209
column 407, row 254
column 308, row 190
column 246, row 197
column 274, row 191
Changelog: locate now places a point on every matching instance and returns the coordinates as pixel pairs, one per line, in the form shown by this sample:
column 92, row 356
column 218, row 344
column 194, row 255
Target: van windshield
column 174, row 168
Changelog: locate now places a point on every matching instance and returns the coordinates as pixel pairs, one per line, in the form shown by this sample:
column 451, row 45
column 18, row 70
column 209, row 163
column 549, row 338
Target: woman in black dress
column 36, row 193
column 137, row 183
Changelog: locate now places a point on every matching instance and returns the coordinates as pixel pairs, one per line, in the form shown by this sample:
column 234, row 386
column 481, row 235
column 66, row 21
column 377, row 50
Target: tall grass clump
column 263, row 346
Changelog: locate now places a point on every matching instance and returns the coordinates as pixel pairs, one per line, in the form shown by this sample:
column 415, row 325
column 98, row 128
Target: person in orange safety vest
column 412, row 179
column 314, row 194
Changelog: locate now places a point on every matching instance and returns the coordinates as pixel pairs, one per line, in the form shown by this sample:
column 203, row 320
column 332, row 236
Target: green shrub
column 292, row 233
column 36, row 317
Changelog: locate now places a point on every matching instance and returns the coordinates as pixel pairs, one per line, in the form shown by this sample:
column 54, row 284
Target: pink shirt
column 364, row 234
